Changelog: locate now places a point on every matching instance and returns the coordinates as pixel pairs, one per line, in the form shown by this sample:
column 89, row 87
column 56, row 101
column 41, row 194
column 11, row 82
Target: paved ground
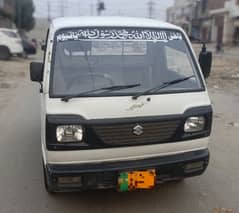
column 21, row 179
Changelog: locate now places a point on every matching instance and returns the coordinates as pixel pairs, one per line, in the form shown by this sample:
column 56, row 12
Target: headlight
column 194, row 124
column 69, row 133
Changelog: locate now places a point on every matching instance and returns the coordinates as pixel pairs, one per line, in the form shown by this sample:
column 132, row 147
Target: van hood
column 126, row 107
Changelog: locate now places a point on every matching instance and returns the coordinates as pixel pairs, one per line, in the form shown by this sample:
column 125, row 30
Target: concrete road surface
column 21, row 178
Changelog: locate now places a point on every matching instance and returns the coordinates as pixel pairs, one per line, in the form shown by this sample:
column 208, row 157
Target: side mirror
column 205, row 61
column 36, row 71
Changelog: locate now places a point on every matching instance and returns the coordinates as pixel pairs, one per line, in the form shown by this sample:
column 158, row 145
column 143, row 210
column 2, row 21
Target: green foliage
column 24, row 19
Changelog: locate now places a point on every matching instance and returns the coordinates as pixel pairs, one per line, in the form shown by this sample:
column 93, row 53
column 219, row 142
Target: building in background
column 182, row 14
column 220, row 22
column 217, row 13
column 231, row 22
column 210, row 20
column 210, row 27
column 7, row 12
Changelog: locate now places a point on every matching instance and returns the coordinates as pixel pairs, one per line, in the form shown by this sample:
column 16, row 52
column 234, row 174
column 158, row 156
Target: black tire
column 47, row 182
column 4, row 53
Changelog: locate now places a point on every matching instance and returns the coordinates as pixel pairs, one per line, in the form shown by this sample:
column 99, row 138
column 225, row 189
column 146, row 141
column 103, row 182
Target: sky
column 113, row 7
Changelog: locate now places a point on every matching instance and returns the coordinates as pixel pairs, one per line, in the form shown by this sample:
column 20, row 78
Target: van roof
column 109, row 21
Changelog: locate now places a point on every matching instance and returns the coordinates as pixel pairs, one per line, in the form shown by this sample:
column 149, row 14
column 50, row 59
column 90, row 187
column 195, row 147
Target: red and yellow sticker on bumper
column 129, row 181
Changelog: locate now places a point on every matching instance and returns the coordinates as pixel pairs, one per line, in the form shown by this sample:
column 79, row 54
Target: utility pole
column 19, row 14
column 62, row 8
column 119, row 12
column 91, row 8
column 151, row 6
column 65, row 4
column 100, row 7
column 48, row 11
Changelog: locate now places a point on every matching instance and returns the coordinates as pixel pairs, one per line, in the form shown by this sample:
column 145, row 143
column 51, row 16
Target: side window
column 178, row 61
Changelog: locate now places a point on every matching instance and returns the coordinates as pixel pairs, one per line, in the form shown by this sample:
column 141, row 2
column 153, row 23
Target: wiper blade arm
column 179, row 80
column 119, row 87
column 112, row 88
column 161, row 86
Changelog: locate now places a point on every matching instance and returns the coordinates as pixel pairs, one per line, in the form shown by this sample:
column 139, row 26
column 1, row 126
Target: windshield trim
column 119, row 94
column 193, row 59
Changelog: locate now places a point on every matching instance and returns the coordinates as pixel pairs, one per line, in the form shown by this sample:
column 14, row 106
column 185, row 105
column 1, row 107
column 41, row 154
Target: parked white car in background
column 10, row 43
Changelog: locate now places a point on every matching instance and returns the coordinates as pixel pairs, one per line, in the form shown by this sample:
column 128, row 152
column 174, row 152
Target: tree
column 24, row 19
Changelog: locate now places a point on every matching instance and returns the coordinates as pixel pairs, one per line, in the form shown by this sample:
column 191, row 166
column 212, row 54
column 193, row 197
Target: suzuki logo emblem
column 138, row 130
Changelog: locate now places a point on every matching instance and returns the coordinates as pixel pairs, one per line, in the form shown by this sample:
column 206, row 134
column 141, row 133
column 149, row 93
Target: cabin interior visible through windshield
column 85, row 65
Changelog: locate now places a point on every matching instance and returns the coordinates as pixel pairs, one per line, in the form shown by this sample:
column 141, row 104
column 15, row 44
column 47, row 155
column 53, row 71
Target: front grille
column 123, row 134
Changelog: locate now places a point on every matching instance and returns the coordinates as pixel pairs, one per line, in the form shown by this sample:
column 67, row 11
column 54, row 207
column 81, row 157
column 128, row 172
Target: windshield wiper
column 161, row 86
column 108, row 89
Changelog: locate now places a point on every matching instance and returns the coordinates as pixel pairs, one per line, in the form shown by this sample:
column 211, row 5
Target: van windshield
column 89, row 59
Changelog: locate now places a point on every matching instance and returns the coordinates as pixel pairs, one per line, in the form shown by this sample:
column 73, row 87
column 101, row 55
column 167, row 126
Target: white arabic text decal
column 119, row 34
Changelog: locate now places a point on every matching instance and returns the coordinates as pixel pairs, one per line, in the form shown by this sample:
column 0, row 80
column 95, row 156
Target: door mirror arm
column 41, row 87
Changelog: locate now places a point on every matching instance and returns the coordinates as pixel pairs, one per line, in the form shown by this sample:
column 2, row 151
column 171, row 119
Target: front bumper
column 105, row 175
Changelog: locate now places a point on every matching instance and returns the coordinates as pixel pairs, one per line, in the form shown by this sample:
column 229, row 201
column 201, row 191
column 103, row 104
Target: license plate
column 129, row 181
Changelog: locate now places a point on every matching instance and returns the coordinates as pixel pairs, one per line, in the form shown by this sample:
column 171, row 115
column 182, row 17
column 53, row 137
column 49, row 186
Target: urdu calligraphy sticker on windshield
column 119, row 34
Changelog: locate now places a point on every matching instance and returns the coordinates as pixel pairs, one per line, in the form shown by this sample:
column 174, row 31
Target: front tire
column 4, row 53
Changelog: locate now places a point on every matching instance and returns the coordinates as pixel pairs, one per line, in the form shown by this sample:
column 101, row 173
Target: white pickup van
column 10, row 43
column 124, row 104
